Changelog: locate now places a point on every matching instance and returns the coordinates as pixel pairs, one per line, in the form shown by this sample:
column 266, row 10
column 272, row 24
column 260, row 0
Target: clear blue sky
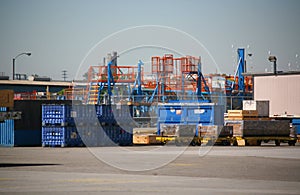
column 59, row 33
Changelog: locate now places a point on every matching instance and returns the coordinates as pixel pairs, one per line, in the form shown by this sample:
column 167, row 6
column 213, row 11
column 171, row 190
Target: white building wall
column 283, row 92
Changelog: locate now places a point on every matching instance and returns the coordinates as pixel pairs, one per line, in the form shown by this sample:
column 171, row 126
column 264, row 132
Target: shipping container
column 3, row 109
column 7, row 133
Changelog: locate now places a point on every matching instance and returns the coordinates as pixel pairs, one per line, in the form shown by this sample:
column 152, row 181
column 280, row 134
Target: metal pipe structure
column 14, row 62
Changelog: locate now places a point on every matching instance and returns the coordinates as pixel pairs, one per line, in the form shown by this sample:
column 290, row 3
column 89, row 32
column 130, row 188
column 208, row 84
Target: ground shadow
column 25, row 164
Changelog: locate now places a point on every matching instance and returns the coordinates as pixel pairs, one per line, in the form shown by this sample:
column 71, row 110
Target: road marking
column 182, row 164
column 6, row 179
column 105, row 181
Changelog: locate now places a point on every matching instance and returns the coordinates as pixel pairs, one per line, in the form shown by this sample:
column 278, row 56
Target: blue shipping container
column 7, row 133
column 3, row 109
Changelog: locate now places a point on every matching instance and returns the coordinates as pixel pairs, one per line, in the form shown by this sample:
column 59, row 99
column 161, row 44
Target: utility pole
column 64, row 75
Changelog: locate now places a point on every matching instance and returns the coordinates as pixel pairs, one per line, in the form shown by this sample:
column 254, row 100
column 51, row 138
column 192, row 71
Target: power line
column 64, row 75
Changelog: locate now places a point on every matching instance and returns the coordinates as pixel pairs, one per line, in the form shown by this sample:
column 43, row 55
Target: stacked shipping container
column 90, row 125
column 58, row 126
column 6, row 131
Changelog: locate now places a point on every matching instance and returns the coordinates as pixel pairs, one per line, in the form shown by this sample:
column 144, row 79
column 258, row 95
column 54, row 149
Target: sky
column 74, row 34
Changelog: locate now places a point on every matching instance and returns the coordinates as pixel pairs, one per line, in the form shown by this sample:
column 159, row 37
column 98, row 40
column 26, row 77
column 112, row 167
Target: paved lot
column 216, row 170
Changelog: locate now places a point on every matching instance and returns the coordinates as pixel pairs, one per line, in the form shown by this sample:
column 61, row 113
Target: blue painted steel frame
column 241, row 70
column 199, row 81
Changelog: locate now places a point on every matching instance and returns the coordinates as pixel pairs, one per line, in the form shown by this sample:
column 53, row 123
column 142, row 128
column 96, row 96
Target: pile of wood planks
column 241, row 114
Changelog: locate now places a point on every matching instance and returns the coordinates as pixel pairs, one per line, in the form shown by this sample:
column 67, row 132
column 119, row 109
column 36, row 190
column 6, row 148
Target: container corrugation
column 3, row 109
column 7, row 133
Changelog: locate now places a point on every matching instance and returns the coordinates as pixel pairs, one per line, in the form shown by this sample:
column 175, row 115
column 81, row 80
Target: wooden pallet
column 242, row 115
column 247, row 118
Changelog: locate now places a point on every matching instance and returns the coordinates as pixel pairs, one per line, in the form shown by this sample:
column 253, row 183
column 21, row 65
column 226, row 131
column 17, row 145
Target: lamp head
column 272, row 58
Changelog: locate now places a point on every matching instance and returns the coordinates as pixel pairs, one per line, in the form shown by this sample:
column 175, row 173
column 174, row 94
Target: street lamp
column 273, row 59
column 14, row 61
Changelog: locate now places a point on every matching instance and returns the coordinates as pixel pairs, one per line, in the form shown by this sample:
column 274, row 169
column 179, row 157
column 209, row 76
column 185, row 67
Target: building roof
column 271, row 73
column 27, row 82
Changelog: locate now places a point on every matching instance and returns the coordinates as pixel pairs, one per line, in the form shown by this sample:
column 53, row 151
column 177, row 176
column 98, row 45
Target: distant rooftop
column 271, row 73
column 27, row 82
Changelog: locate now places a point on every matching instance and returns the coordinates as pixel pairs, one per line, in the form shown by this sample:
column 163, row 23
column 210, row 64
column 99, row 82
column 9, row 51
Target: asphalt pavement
column 151, row 170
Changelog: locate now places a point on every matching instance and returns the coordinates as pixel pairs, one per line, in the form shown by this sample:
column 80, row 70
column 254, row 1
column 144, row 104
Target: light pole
column 14, row 61
column 273, row 59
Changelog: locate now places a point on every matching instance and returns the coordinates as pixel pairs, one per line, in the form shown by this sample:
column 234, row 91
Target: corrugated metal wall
column 283, row 92
column 7, row 133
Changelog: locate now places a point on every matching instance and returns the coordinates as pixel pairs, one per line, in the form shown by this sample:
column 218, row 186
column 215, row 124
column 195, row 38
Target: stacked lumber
column 241, row 114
